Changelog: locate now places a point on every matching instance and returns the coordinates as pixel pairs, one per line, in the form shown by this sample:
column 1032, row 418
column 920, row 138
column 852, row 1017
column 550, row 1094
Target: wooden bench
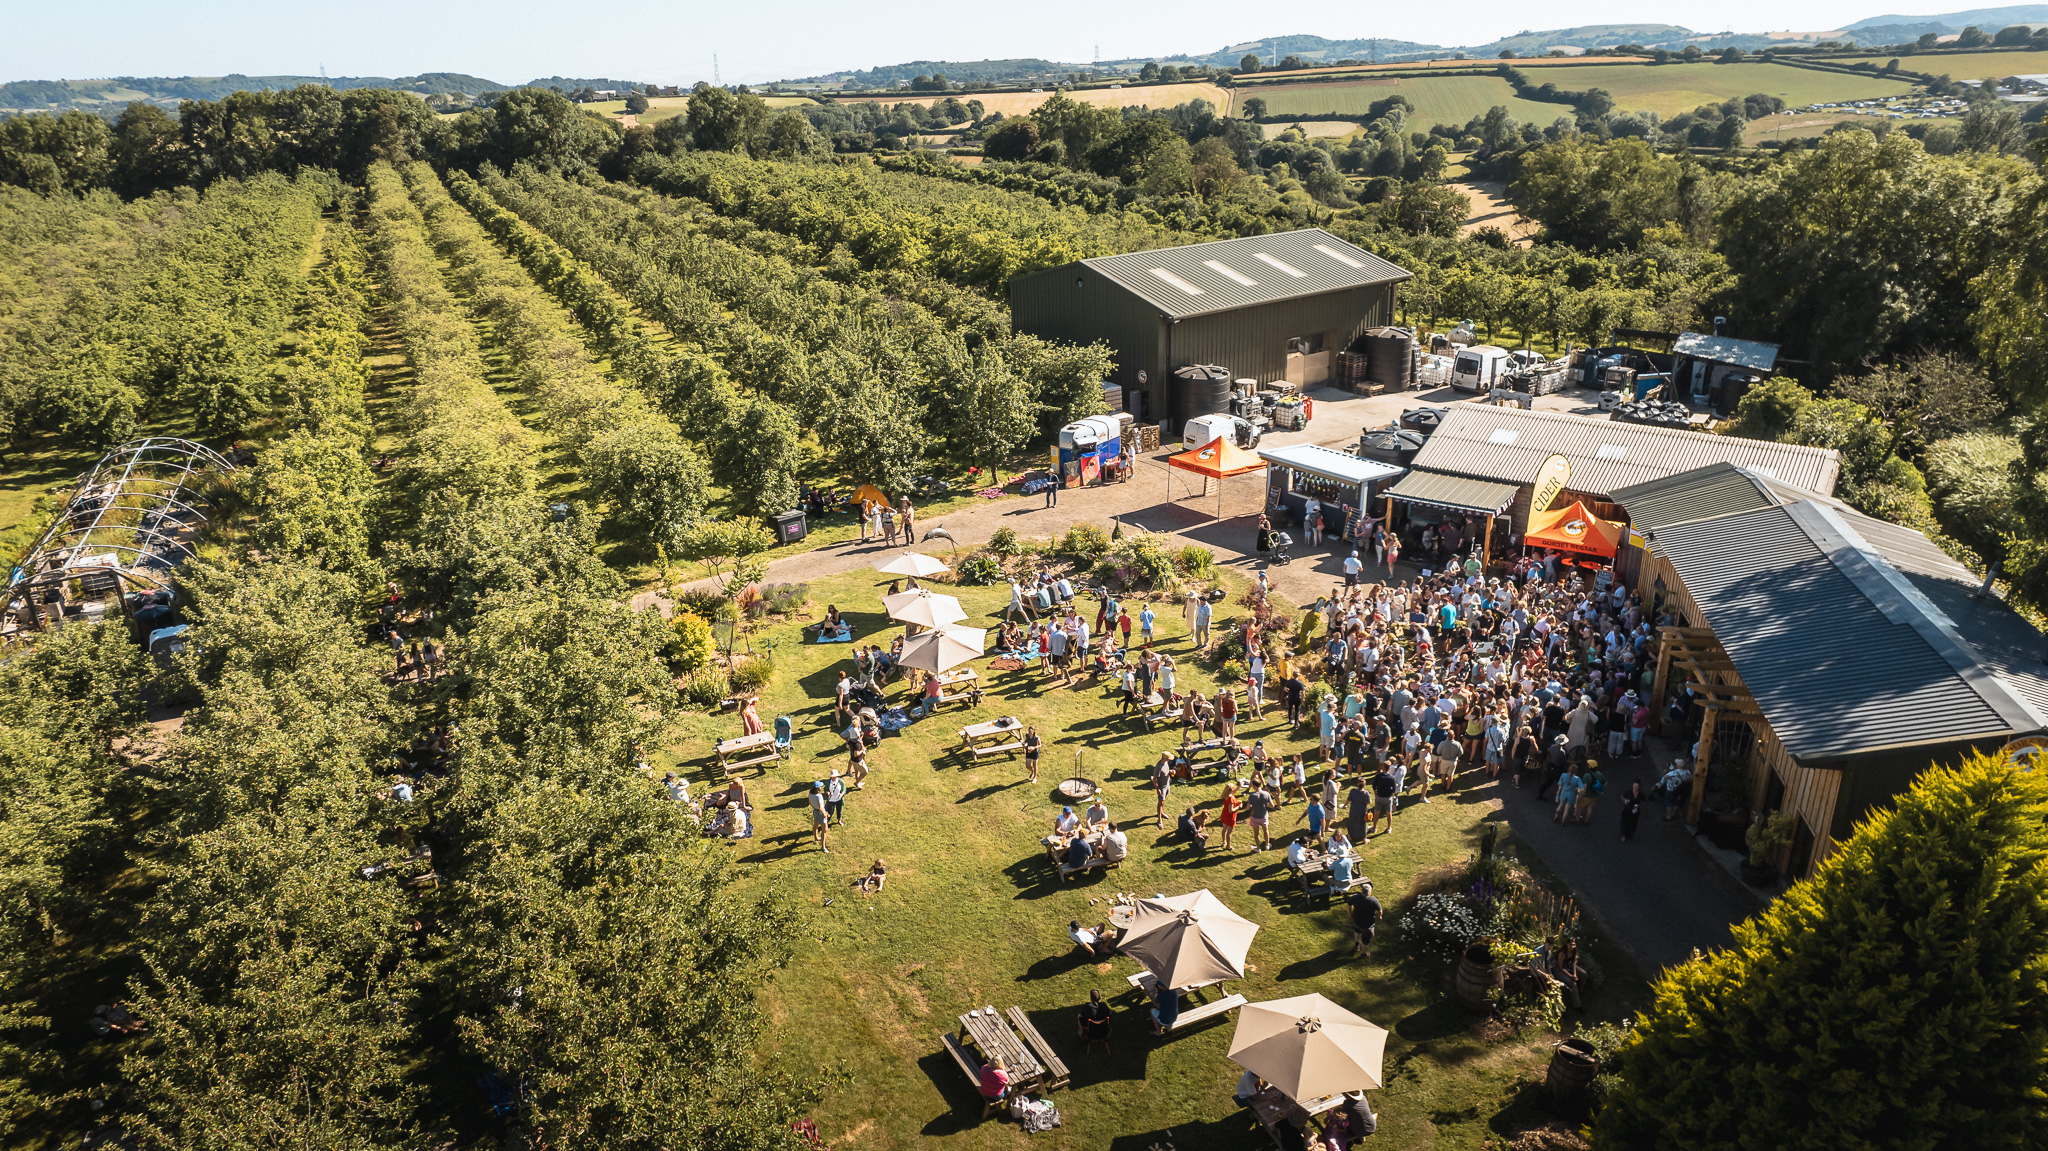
column 969, row 1067
column 1207, row 1011
column 1094, row 861
column 1056, row 1075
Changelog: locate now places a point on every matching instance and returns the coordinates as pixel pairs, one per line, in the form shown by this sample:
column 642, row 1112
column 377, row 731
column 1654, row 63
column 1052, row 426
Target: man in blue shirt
column 1314, row 816
column 1145, row 619
column 1340, row 875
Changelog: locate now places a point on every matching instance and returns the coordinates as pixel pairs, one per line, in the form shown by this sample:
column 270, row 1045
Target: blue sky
column 517, row 40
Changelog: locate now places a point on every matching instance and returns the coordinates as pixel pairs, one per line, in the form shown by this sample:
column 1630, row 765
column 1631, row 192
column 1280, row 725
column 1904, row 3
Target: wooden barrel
column 1571, row 1069
column 1476, row 977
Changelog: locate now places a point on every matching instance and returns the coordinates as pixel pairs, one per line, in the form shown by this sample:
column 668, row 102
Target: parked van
column 1204, row 430
column 1479, row 367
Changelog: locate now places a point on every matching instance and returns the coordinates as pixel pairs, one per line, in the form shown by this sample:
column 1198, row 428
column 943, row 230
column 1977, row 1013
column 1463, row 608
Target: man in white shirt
column 1352, row 566
column 1297, row 853
column 1090, row 941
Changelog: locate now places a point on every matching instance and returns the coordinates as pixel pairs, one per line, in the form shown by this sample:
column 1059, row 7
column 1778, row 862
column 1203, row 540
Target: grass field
column 1673, row 88
column 1793, row 125
column 1666, row 90
column 973, row 916
column 1017, row 103
column 1973, row 65
column 1437, row 99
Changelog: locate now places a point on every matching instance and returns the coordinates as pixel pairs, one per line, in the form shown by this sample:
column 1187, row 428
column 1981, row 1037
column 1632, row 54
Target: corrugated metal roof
column 1703, row 493
column 1457, row 493
column 1509, row 445
column 1330, row 463
column 1198, row 279
column 1750, row 354
column 1845, row 651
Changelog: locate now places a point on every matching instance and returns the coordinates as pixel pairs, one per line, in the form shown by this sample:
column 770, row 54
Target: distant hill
column 1275, row 48
column 109, row 96
column 1942, row 23
column 570, row 85
column 1588, row 36
column 959, row 71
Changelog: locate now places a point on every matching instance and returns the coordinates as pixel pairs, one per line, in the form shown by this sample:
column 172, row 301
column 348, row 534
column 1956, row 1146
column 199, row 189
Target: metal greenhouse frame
column 130, row 521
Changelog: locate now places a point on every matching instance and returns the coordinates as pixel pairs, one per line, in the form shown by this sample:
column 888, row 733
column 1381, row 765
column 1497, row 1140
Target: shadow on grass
column 991, row 789
column 965, row 1098
column 1054, row 966
column 1125, row 1059
column 1237, row 1130
column 785, row 846
column 1318, row 966
column 1035, row 877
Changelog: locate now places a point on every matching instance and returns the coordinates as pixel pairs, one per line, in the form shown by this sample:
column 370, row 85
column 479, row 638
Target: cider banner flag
column 1550, row 481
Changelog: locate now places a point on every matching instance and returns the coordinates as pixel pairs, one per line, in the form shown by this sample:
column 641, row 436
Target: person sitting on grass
column 876, row 878
column 1194, row 826
column 1095, row 942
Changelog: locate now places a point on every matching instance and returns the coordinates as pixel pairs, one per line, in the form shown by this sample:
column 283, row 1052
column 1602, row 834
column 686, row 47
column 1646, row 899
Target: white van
column 1204, row 430
column 1478, row 367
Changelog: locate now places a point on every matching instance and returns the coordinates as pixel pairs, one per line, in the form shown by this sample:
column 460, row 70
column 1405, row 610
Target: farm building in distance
column 1266, row 307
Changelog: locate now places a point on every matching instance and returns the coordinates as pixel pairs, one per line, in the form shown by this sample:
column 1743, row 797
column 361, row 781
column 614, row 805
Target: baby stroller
column 1281, row 542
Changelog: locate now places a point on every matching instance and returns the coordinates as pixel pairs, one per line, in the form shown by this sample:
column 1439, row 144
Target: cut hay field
column 1018, row 103
column 1437, row 99
column 1793, row 125
column 1973, row 65
column 1673, row 88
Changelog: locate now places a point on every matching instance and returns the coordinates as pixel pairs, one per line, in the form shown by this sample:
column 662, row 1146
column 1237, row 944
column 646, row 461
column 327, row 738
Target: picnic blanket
column 894, row 719
column 844, row 636
column 1005, row 663
column 1034, row 1114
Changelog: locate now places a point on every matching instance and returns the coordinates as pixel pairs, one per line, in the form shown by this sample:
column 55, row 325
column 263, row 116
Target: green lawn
column 1437, row 99
column 973, row 915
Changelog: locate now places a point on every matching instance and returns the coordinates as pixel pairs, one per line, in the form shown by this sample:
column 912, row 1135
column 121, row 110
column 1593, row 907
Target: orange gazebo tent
column 1219, row 459
column 1574, row 529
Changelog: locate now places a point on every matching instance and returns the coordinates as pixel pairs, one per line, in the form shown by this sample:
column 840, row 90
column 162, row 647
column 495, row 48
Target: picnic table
column 1271, row 1107
column 971, row 737
column 993, row 1037
column 958, row 684
column 1317, row 865
column 750, row 747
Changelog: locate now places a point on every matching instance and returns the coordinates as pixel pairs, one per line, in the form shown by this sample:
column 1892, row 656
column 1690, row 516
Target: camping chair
column 784, row 729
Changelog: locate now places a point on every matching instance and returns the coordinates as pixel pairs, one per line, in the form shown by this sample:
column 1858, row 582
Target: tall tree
column 1898, row 998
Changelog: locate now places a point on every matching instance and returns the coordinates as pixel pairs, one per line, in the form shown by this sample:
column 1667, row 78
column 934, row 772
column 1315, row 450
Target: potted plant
column 1765, row 837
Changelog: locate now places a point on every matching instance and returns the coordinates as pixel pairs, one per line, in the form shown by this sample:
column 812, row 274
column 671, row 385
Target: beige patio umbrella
column 1308, row 1047
column 922, row 608
column 914, row 564
column 1188, row 940
column 943, row 648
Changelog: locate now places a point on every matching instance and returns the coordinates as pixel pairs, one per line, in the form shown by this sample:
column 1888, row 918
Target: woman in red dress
column 1229, row 817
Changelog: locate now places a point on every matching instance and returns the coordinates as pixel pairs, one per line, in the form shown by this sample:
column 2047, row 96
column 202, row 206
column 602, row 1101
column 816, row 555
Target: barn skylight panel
column 1229, row 273
column 1176, row 281
column 1504, row 436
column 1611, row 451
column 1270, row 262
column 1336, row 255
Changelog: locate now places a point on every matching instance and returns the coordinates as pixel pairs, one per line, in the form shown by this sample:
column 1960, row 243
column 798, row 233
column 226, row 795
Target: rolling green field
column 660, row 108
column 1673, row 88
column 1666, row 90
column 1437, row 99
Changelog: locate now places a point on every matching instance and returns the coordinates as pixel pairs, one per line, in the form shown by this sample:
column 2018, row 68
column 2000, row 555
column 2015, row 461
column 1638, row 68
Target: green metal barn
column 1279, row 307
